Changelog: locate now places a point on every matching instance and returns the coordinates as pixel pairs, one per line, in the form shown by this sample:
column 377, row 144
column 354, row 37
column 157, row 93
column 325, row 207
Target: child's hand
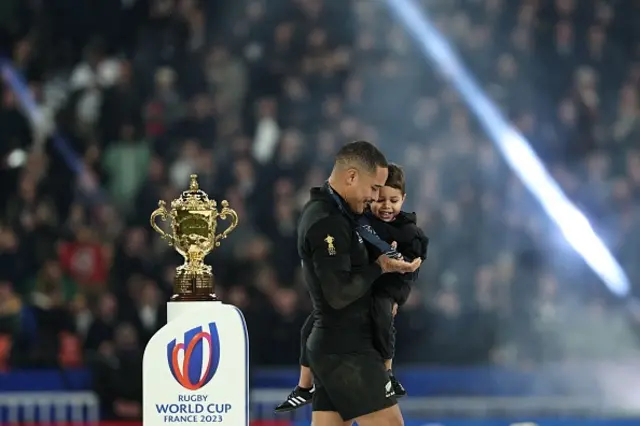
column 394, row 245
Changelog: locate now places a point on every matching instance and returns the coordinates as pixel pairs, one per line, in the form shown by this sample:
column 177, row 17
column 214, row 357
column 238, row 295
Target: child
column 389, row 291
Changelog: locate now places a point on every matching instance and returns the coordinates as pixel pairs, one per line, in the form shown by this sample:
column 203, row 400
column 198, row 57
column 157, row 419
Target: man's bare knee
column 328, row 418
column 386, row 417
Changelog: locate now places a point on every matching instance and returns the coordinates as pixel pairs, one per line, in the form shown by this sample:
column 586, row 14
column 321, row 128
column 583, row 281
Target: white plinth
column 177, row 309
column 195, row 369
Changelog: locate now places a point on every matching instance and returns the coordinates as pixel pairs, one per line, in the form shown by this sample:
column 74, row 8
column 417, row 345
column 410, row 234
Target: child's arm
column 419, row 248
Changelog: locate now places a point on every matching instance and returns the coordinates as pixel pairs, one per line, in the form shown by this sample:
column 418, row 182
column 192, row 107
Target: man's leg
column 324, row 411
column 328, row 418
column 386, row 417
column 303, row 393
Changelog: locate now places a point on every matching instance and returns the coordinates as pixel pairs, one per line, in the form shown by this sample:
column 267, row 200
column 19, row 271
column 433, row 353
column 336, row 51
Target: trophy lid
column 193, row 198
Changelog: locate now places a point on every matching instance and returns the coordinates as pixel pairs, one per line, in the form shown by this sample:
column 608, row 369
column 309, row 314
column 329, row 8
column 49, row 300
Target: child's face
column 389, row 203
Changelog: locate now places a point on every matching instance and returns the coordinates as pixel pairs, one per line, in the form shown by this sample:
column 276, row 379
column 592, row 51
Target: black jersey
column 412, row 243
column 339, row 274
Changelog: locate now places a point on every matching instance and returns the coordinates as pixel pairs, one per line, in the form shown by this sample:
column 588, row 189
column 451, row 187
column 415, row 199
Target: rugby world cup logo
column 194, row 362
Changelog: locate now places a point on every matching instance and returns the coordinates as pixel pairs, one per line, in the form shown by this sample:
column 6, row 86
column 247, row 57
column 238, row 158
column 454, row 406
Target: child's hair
column 396, row 178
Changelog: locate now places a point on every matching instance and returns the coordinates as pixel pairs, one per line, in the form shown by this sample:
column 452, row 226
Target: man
column 349, row 374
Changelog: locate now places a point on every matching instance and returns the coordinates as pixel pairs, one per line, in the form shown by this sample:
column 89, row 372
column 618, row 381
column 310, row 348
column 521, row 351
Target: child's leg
column 399, row 390
column 388, row 363
column 383, row 330
column 306, row 378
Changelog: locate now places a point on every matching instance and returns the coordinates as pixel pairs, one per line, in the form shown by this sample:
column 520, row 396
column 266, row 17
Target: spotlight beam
column 518, row 153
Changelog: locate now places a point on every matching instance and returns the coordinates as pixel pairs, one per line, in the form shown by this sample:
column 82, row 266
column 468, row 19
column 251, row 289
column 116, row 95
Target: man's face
column 363, row 187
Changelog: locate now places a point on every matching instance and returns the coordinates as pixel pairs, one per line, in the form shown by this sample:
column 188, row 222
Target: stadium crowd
column 255, row 98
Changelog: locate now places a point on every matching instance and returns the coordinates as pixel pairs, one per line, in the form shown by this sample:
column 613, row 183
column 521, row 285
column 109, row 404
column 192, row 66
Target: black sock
column 305, row 389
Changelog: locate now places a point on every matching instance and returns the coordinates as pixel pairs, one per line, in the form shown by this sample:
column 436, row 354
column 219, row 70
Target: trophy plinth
column 193, row 223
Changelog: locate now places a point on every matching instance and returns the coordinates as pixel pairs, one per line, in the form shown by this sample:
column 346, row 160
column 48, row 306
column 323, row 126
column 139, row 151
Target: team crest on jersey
column 331, row 249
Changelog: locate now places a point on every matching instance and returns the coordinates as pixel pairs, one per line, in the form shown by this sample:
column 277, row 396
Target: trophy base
column 190, row 287
column 194, row 298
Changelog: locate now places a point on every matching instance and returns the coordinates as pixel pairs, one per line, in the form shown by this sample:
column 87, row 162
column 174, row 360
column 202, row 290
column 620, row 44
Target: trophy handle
column 162, row 213
column 226, row 211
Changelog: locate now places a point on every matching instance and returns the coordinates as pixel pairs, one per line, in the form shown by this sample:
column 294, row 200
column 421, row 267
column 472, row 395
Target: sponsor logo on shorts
column 388, row 390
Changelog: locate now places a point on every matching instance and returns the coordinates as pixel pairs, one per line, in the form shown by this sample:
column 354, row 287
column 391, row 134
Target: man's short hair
column 396, row 178
column 363, row 154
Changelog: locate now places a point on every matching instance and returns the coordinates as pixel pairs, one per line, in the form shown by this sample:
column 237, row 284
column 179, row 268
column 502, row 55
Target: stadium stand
column 130, row 97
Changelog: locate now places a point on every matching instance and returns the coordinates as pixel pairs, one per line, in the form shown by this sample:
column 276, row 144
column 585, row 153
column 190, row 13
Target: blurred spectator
column 103, row 326
column 51, row 296
column 10, row 310
column 125, row 163
column 146, row 312
column 17, row 327
column 118, row 375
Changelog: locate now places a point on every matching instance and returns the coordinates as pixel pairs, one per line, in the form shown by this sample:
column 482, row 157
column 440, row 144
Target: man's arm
column 329, row 241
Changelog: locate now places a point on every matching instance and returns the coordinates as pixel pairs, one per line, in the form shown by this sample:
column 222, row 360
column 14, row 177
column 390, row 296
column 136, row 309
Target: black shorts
column 352, row 384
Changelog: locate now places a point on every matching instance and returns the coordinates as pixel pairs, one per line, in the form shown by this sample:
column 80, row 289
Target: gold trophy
column 193, row 222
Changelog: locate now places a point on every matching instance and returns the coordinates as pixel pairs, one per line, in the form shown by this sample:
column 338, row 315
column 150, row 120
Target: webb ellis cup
column 193, row 223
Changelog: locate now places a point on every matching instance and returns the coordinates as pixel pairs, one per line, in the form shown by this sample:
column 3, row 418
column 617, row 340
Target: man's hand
column 394, row 265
